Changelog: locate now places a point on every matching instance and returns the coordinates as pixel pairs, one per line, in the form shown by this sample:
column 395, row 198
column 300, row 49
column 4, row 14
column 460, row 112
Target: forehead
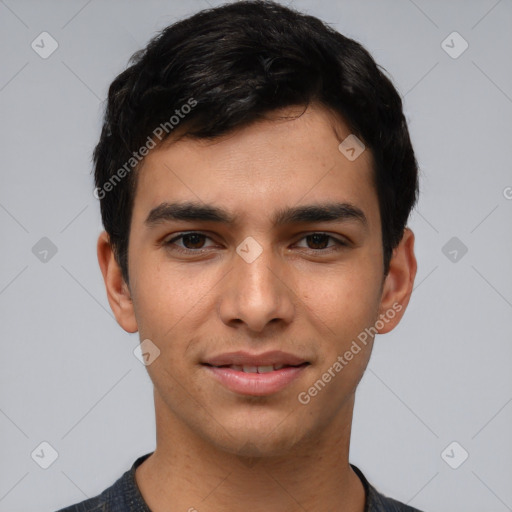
column 254, row 171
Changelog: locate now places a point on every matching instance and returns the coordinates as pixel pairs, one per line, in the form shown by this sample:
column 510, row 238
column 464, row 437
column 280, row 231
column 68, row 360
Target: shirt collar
column 134, row 499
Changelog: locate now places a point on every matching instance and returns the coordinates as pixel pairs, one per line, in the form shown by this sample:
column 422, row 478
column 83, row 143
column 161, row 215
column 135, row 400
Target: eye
column 192, row 241
column 319, row 241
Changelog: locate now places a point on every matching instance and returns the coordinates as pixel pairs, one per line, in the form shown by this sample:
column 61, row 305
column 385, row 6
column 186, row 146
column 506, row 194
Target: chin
column 271, row 440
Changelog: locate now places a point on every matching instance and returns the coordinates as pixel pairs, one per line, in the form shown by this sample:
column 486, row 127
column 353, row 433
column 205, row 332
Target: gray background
column 68, row 373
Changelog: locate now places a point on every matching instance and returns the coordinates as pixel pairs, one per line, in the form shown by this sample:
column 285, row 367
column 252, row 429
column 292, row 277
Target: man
column 255, row 176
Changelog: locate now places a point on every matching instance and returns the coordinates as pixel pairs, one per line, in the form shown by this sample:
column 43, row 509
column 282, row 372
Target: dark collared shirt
column 124, row 496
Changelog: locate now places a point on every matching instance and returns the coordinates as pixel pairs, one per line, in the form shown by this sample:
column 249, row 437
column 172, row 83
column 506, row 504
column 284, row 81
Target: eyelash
column 341, row 244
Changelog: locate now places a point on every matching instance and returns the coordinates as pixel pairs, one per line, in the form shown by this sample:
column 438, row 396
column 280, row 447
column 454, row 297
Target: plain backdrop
column 68, row 374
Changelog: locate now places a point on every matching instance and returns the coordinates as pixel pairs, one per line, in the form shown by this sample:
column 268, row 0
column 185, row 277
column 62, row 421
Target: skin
column 216, row 449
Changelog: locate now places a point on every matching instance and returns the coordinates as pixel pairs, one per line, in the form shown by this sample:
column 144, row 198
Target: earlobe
column 118, row 293
column 399, row 283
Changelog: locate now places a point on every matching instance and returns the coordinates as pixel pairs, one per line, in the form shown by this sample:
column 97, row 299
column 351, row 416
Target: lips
column 255, row 369
column 276, row 358
column 256, row 374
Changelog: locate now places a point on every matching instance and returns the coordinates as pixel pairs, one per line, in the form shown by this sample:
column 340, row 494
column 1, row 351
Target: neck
column 187, row 473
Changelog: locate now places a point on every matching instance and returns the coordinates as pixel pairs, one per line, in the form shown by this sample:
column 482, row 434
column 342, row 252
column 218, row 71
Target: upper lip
column 241, row 358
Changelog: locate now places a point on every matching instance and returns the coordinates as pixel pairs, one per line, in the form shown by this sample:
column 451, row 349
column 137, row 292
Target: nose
column 257, row 293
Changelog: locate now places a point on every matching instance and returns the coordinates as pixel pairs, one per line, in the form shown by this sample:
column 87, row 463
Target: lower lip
column 256, row 384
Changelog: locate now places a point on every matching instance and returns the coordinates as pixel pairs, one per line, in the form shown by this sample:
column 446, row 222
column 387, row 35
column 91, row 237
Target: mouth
column 255, row 375
column 257, row 369
column 245, row 360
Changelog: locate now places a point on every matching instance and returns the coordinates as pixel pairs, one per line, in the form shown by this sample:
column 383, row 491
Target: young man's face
column 252, row 286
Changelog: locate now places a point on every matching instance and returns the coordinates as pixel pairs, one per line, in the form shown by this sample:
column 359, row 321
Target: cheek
column 344, row 306
column 167, row 297
column 345, row 300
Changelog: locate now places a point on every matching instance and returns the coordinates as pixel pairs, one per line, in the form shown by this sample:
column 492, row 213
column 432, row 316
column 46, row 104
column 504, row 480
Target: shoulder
column 96, row 504
column 377, row 502
column 104, row 502
column 384, row 504
column 122, row 496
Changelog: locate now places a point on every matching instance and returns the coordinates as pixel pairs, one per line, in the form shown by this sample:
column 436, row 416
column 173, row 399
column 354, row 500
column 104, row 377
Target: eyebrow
column 190, row 211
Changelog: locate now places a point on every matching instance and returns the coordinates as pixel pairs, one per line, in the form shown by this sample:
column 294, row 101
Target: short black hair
column 229, row 66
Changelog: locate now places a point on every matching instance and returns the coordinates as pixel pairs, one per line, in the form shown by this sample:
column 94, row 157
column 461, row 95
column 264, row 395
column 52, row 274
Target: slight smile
column 253, row 374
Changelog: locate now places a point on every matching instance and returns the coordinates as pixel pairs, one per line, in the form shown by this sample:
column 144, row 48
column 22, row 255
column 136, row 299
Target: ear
column 118, row 293
column 398, row 284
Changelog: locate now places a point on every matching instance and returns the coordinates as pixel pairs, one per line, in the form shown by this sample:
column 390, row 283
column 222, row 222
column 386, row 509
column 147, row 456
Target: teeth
column 265, row 369
column 257, row 369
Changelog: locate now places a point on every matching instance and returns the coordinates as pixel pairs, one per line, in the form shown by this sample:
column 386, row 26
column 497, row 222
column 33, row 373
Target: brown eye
column 196, row 240
column 318, row 239
column 191, row 242
column 320, row 242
